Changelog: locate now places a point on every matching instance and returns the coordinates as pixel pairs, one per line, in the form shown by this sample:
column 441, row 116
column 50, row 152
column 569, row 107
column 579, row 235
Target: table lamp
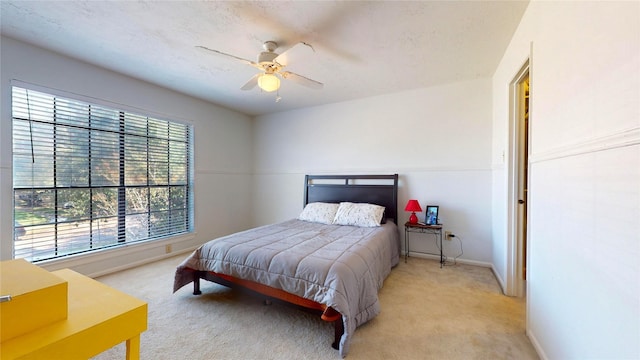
column 413, row 206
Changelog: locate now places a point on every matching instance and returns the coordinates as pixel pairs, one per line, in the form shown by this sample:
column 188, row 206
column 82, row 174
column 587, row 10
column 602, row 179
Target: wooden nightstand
column 425, row 229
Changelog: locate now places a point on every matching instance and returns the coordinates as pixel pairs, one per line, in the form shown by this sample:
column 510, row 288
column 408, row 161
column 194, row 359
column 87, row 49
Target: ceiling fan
column 272, row 67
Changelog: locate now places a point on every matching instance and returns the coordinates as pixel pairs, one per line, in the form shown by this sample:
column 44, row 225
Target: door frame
column 515, row 284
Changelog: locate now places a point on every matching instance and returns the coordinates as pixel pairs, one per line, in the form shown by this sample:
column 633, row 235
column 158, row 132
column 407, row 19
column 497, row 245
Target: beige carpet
column 457, row 312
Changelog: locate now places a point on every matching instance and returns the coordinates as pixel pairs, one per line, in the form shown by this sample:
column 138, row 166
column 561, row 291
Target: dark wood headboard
column 373, row 189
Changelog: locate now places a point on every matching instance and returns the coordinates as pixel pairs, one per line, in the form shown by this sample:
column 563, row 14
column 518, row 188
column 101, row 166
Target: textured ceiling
column 362, row 48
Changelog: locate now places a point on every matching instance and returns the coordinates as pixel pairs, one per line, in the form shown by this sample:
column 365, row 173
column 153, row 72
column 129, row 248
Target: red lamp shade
column 413, row 206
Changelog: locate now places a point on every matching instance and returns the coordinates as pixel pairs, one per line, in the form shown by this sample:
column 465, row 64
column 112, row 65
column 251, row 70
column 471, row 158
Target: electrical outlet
column 447, row 235
column 167, row 248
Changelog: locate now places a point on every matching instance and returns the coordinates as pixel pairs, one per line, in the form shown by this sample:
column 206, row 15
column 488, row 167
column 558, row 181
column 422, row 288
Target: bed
column 335, row 270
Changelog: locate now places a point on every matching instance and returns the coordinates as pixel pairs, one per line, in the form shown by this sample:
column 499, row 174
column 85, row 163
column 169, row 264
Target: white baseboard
column 536, row 345
column 498, row 277
column 124, row 257
column 459, row 260
column 139, row 262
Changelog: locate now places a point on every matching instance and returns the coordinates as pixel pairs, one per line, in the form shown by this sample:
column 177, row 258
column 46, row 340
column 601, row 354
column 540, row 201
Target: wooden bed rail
column 269, row 294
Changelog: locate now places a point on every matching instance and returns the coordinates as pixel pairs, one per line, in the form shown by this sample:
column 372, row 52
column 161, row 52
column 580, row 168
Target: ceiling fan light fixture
column 268, row 82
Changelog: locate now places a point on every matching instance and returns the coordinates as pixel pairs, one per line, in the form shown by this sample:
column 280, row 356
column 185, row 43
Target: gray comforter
column 339, row 266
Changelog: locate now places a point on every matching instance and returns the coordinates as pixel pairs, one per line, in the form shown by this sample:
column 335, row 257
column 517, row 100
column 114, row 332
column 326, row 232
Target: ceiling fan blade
column 297, row 52
column 299, row 79
column 251, row 83
column 245, row 61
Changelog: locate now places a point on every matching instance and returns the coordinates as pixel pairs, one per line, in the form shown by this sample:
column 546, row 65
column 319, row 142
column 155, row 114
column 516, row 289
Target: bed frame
column 374, row 189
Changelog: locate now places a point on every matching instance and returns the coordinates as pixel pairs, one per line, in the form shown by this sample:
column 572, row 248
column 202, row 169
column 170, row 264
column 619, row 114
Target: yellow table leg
column 133, row 348
column 98, row 317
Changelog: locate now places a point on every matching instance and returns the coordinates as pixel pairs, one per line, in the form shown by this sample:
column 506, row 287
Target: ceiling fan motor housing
column 266, row 57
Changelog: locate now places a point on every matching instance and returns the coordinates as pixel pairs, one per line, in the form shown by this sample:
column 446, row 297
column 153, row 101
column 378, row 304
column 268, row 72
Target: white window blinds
column 87, row 177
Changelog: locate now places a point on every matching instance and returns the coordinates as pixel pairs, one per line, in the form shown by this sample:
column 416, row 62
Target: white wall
column 583, row 287
column 222, row 149
column 437, row 139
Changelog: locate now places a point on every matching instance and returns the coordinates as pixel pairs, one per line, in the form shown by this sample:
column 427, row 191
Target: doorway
column 523, row 172
column 518, row 192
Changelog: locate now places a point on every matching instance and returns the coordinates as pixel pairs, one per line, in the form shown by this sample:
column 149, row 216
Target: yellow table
column 99, row 317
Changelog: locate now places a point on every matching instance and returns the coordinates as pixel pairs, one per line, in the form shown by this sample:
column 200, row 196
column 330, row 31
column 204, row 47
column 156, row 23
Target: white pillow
column 359, row 214
column 319, row 212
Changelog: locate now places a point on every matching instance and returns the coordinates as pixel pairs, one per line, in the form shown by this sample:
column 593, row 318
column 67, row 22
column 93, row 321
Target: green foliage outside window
column 88, row 177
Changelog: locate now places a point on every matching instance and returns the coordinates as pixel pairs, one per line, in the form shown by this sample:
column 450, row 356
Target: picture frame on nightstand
column 431, row 215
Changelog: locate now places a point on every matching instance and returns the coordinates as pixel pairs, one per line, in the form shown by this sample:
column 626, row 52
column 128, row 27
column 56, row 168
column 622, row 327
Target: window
column 88, row 177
